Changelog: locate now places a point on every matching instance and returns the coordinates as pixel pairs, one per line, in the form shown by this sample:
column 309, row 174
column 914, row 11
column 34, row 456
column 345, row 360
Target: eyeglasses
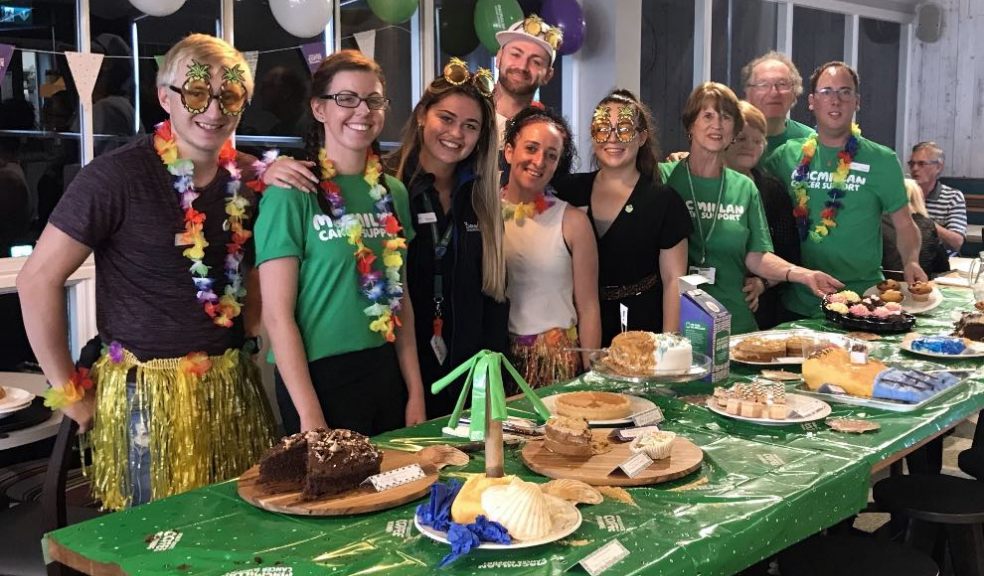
column 352, row 100
column 456, row 73
column 921, row 163
column 197, row 99
column 781, row 86
column 844, row 93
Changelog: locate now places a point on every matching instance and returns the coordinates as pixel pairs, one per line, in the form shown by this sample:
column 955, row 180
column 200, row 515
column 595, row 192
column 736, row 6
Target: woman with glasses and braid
column 332, row 269
column 455, row 268
column 641, row 226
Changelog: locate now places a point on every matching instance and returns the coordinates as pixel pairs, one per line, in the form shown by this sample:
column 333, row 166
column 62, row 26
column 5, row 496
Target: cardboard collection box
column 707, row 324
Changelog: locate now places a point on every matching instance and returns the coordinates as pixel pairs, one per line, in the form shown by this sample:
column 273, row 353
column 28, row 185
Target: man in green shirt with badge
column 772, row 84
column 841, row 184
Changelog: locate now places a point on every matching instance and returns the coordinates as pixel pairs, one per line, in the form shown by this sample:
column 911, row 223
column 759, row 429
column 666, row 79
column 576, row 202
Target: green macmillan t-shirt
column 794, row 131
column 852, row 251
column 329, row 309
column 741, row 228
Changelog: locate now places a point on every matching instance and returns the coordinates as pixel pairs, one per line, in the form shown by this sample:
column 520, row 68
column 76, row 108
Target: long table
column 759, row 490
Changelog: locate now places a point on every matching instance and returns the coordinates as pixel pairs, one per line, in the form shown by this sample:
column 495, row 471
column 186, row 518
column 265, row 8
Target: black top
column 778, row 206
column 654, row 218
column 124, row 207
column 472, row 320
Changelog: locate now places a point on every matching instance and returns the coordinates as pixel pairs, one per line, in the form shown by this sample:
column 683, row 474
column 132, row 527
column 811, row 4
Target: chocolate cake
column 970, row 326
column 319, row 463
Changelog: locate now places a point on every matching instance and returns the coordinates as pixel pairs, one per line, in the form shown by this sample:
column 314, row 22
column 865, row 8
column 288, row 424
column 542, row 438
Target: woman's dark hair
column 534, row 114
column 341, row 61
column 649, row 152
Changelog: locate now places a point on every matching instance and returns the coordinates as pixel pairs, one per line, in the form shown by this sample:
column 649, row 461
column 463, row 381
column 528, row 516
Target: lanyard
column 714, row 217
column 440, row 249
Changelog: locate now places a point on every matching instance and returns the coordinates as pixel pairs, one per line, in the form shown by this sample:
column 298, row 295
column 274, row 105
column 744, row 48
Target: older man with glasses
column 946, row 206
column 772, row 84
column 841, row 185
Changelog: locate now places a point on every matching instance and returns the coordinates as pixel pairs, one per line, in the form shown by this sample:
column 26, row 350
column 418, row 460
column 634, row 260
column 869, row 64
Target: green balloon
column 393, row 11
column 493, row 16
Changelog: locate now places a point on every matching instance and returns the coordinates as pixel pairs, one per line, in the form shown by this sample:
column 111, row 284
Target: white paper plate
column 566, row 520
column 910, row 305
column 841, row 340
column 636, row 404
column 811, row 408
column 15, row 399
column 973, row 349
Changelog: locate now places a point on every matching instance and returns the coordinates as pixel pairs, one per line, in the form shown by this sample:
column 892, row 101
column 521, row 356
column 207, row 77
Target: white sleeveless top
column 540, row 273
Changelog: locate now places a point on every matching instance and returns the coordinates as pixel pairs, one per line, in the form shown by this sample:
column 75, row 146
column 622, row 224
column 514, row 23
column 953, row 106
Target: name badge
column 707, row 272
column 426, row 218
column 859, row 167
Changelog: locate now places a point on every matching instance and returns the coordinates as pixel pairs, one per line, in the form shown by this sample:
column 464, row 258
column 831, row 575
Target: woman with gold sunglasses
column 641, row 226
column 455, row 266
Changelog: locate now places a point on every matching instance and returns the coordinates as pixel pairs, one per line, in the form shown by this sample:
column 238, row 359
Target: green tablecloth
column 759, row 490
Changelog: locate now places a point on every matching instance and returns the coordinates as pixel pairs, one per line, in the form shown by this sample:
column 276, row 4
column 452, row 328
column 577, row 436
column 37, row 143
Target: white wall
column 947, row 93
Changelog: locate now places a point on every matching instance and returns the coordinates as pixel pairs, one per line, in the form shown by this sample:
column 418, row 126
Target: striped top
column 947, row 207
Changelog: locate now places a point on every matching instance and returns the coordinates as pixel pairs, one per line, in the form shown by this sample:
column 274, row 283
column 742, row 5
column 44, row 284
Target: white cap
column 534, row 29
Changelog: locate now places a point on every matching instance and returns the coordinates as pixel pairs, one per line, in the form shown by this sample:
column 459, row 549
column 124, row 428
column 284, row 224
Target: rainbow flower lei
column 71, row 392
column 520, row 211
column 383, row 288
column 222, row 309
column 801, row 212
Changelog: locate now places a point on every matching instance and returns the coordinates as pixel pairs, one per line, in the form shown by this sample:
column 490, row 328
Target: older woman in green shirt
column 730, row 237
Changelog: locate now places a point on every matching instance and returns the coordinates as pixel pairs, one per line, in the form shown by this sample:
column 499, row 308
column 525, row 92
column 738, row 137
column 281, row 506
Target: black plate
column 902, row 324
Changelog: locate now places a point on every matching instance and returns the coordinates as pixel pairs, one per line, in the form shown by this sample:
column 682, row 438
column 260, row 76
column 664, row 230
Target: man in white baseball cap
column 527, row 51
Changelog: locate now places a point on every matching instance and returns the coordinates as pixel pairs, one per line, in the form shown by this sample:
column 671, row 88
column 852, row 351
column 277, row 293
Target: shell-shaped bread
column 572, row 491
column 520, row 507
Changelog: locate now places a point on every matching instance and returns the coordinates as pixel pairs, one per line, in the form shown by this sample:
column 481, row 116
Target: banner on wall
column 6, row 52
column 366, row 42
column 313, row 54
column 159, row 60
column 85, row 70
column 252, row 57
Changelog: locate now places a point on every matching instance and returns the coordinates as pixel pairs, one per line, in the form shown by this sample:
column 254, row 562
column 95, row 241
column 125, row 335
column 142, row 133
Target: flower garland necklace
column 382, row 288
column 801, row 212
column 222, row 309
column 520, row 211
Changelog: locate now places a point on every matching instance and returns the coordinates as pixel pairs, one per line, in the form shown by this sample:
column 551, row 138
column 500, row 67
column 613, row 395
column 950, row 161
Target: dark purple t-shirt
column 124, row 207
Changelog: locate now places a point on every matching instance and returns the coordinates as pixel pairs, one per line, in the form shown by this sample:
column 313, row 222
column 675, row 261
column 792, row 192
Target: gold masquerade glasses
column 456, row 73
column 535, row 26
column 625, row 128
column 196, row 92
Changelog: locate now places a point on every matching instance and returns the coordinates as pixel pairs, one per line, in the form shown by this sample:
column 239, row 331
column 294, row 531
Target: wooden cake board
column 356, row 501
column 602, row 469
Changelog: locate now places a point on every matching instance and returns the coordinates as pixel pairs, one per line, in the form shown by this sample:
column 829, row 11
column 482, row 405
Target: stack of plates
column 14, row 400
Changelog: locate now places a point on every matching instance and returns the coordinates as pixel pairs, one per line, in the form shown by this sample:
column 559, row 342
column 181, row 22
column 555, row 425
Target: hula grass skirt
column 209, row 421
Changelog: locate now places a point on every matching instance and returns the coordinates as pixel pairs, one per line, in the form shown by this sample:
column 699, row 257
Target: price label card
column 604, row 558
column 635, row 465
column 652, row 416
column 396, row 477
column 628, row 434
column 623, row 316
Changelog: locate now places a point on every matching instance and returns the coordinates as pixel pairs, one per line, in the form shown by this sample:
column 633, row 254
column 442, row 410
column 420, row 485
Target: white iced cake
column 637, row 352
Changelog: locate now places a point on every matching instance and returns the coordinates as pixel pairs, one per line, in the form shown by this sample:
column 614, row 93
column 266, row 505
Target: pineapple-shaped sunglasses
column 196, row 92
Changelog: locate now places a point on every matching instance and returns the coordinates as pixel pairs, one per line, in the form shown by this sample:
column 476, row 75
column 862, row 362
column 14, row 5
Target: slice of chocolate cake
column 284, row 465
column 970, row 326
column 338, row 461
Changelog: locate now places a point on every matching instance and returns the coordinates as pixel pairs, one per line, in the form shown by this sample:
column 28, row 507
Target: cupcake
column 838, row 307
column 846, row 296
column 657, row 445
column 859, row 310
column 920, row 290
column 886, row 285
column 892, row 296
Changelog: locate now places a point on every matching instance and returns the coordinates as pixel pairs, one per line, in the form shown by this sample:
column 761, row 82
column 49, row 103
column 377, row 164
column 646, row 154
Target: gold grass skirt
column 545, row 358
column 209, row 420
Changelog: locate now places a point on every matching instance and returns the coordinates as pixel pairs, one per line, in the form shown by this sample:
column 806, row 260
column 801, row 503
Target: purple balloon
column 567, row 15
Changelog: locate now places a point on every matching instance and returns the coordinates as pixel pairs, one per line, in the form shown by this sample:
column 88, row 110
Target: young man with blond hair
column 175, row 401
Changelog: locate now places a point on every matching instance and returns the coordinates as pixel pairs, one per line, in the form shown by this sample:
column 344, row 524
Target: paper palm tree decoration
column 488, row 406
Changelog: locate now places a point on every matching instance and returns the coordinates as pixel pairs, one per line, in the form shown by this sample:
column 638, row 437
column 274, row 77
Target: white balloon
column 158, row 7
column 302, row 18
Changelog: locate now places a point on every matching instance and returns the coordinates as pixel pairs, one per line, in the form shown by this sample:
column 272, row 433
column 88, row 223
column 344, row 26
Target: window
column 878, row 67
column 667, row 66
column 740, row 32
column 818, row 37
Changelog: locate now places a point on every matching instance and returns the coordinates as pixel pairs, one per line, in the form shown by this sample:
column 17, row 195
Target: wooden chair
column 22, row 526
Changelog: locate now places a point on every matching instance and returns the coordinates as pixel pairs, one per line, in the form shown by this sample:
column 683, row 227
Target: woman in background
column 640, row 225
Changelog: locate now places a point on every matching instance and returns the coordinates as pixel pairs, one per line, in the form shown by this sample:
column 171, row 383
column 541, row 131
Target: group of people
column 381, row 273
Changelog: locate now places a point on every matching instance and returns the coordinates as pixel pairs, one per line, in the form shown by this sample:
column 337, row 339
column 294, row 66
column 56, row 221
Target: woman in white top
column 551, row 256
